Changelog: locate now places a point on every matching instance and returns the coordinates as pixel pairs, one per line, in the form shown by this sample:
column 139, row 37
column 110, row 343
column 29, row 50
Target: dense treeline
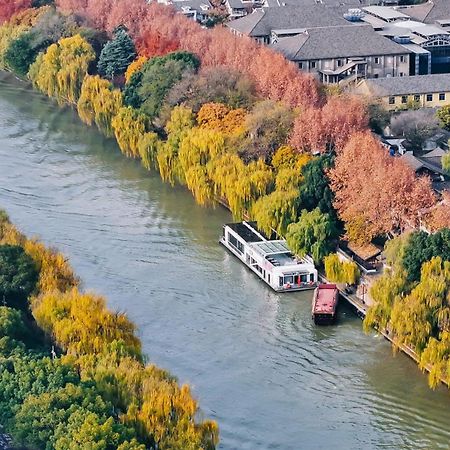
column 214, row 122
column 412, row 299
column 251, row 131
column 94, row 390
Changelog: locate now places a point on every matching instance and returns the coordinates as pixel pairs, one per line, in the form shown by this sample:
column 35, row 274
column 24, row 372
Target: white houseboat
column 271, row 260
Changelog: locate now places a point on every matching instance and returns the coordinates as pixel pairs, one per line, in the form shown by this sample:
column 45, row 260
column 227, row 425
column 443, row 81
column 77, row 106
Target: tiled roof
column 418, row 84
column 337, row 42
column 262, row 21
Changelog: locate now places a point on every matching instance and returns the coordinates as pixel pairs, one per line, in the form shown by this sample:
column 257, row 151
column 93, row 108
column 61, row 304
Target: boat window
column 311, row 277
column 235, row 243
column 304, row 278
column 268, row 277
column 281, row 282
column 289, row 279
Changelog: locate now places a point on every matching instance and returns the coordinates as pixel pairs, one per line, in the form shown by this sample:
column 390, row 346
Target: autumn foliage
column 376, row 193
column 10, row 7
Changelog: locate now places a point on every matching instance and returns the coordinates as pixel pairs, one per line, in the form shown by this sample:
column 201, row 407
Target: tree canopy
column 18, row 276
column 116, row 55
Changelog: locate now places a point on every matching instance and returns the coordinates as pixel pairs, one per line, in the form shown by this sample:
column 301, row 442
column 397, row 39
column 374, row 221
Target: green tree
column 148, row 86
column 21, row 54
column 116, row 55
column 18, row 276
column 421, row 247
column 312, row 234
column 443, row 115
column 12, row 324
column 315, row 189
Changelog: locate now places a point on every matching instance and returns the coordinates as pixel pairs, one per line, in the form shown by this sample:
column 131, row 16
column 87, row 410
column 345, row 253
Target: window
column 442, row 96
column 402, row 58
column 376, row 60
column 376, row 75
column 392, row 100
column 235, row 243
column 311, row 277
column 313, row 64
column 300, row 65
column 402, row 74
column 303, row 278
column 417, row 98
column 429, row 97
column 281, row 281
column 289, row 279
column 340, row 62
column 404, row 98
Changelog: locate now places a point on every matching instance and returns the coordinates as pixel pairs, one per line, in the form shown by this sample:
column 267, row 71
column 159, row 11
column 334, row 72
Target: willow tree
column 312, row 234
column 275, row 211
column 228, row 174
column 129, row 126
column 148, row 146
column 181, row 121
column 60, row 71
column 99, row 102
column 340, row 271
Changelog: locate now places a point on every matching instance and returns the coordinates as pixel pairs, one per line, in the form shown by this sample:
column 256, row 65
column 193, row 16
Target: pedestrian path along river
column 255, row 360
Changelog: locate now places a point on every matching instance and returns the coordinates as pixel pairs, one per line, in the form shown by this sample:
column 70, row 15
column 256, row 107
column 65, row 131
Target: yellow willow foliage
column 340, row 271
column 60, row 71
column 285, row 156
column 152, row 401
column 261, row 179
column 129, row 126
column 415, row 317
column 148, row 146
column 436, row 357
column 199, row 146
column 276, row 211
column 228, row 174
column 200, row 185
column 180, row 123
column 99, row 102
column 81, row 324
column 54, row 270
column 288, row 178
column 134, row 67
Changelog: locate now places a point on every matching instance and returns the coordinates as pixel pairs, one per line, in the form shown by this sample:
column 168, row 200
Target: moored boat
column 270, row 259
column 324, row 305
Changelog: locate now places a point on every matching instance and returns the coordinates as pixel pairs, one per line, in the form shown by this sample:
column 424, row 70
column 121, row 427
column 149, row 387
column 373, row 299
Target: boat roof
column 271, row 247
column 325, row 298
column 247, row 231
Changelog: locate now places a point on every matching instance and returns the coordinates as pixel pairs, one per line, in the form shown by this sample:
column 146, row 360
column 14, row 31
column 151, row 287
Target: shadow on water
column 254, row 358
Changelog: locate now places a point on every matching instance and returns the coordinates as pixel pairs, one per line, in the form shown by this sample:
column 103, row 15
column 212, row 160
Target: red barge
column 324, row 304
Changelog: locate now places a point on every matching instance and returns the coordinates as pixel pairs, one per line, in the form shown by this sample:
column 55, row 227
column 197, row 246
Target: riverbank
column 253, row 358
column 95, row 355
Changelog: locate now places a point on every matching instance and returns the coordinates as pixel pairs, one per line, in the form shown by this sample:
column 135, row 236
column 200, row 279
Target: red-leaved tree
column 376, row 193
column 10, row 7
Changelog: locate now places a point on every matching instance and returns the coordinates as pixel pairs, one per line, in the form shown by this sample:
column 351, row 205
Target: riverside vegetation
column 252, row 132
column 95, row 391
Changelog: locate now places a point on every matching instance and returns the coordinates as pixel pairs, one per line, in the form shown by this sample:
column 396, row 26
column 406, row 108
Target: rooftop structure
column 337, row 42
column 262, row 22
column 418, row 84
column 385, row 13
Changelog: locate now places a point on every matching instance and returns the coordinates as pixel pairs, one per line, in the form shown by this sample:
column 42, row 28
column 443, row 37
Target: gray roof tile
column 418, row 84
column 337, row 42
column 261, row 22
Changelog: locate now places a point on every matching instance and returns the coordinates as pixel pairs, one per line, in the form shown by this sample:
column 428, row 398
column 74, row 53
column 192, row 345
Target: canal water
column 255, row 361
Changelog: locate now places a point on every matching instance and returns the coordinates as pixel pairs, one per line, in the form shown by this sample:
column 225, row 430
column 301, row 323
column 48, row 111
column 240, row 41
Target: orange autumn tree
column 376, row 193
column 217, row 116
column 10, row 7
column 329, row 127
